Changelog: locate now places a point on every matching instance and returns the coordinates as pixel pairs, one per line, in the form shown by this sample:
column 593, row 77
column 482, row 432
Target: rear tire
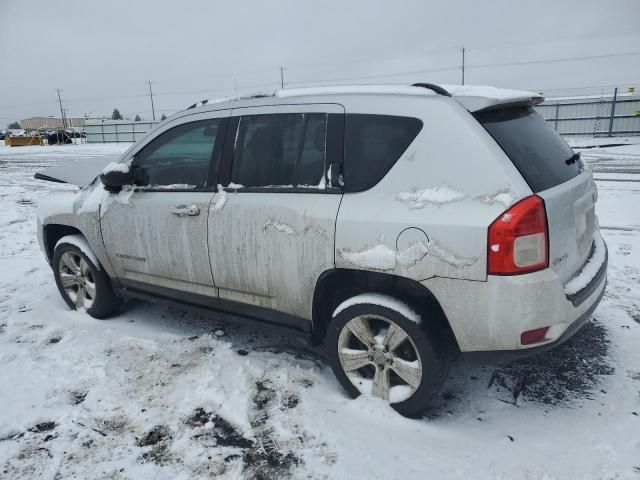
column 380, row 351
column 81, row 283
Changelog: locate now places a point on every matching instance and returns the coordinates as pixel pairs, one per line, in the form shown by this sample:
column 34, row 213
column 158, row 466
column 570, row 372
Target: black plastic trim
column 316, row 190
column 47, row 178
column 335, row 141
column 240, row 311
column 215, row 163
column 436, row 88
column 267, row 315
column 224, row 176
column 579, row 297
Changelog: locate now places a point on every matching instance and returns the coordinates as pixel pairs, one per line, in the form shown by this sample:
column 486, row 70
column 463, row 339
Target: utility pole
column 613, row 111
column 235, row 86
column 153, row 110
column 281, row 76
column 64, row 123
column 462, row 49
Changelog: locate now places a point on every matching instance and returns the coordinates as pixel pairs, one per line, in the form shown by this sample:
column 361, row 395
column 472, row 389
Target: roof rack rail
column 436, row 88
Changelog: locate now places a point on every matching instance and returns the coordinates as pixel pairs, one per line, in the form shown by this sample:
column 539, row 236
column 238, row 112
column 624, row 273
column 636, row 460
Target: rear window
column 372, row 145
column 540, row 154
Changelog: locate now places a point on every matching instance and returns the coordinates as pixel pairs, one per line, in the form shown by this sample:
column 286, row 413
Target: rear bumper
column 488, row 318
column 503, row 356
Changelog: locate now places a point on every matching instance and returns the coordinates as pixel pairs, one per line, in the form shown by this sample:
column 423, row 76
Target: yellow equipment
column 22, row 141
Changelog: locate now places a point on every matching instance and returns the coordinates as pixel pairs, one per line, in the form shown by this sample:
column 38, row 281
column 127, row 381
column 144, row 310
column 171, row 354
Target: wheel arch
column 336, row 285
column 53, row 232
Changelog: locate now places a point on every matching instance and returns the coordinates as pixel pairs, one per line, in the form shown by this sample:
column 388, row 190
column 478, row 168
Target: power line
column 342, row 79
column 554, row 60
column 503, row 64
column 367, row 77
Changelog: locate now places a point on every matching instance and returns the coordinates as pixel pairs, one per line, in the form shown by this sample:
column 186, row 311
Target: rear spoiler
column 477, row 98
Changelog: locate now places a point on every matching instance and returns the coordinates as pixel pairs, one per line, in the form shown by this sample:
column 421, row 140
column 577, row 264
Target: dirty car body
column 281, row 207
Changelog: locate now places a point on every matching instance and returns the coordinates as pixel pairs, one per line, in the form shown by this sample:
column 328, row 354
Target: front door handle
column 185, row 210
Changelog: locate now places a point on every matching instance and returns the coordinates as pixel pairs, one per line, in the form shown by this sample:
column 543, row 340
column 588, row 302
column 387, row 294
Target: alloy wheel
column 77, row 280
column 380, row 358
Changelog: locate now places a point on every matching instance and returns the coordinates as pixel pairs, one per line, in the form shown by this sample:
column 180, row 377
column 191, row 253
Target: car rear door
column 272, row 229
column 156, row 236
column 556, row 174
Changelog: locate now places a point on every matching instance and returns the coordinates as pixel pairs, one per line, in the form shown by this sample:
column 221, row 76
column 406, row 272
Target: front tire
column 383, row 351
column 82, row 284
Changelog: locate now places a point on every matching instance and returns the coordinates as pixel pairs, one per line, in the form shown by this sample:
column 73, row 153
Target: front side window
column 280, row 150
column 178, row 158
column 372, row 145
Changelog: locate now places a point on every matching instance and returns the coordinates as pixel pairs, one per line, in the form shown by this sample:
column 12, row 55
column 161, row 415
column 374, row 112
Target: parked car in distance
column 399, row 226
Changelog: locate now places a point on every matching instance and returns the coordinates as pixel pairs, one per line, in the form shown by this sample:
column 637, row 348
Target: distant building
column 51, row 122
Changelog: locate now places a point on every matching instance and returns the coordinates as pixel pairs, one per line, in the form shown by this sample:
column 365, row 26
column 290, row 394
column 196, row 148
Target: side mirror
column 114, row 180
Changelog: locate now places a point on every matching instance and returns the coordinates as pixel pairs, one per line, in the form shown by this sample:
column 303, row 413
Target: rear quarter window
column 372, row 145
column 539, row 153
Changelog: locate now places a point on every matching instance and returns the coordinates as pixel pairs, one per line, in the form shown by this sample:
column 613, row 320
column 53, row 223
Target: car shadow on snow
column 561, row 376
column 571, row 371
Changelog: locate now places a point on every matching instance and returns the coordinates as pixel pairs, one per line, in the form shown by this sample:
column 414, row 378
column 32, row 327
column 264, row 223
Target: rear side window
column 372, row 145
column 539, row 153
column 286, row 150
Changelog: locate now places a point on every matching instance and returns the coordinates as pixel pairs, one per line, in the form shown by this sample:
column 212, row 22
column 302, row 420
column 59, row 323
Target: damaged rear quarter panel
column 451, row 183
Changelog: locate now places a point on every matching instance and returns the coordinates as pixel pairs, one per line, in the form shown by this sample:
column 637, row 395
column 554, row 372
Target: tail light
column 518, row 239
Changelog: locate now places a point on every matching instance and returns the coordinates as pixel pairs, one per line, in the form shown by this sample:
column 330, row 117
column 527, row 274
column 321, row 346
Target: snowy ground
column 162, row 392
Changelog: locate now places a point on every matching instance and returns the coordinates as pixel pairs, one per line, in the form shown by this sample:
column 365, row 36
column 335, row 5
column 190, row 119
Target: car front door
column 156, row 236
column 272, row 235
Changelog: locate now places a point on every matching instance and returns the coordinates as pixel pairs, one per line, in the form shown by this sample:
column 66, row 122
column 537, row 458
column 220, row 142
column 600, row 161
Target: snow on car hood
column 80, row 172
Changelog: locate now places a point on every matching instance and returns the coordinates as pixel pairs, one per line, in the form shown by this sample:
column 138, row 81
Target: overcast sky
column 101, row 53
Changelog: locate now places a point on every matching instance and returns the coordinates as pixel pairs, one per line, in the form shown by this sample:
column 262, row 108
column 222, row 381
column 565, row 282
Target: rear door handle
column 185, row 210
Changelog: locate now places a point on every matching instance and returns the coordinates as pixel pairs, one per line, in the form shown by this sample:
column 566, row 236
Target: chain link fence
column 109, row 131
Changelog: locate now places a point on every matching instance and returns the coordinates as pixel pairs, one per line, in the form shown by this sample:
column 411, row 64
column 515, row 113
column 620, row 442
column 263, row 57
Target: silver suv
column 398, row 225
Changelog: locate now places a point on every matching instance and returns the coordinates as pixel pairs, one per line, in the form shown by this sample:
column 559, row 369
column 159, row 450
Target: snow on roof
column 471, row 97
column 355, row 89
column 488, row 92
column 477, row 97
